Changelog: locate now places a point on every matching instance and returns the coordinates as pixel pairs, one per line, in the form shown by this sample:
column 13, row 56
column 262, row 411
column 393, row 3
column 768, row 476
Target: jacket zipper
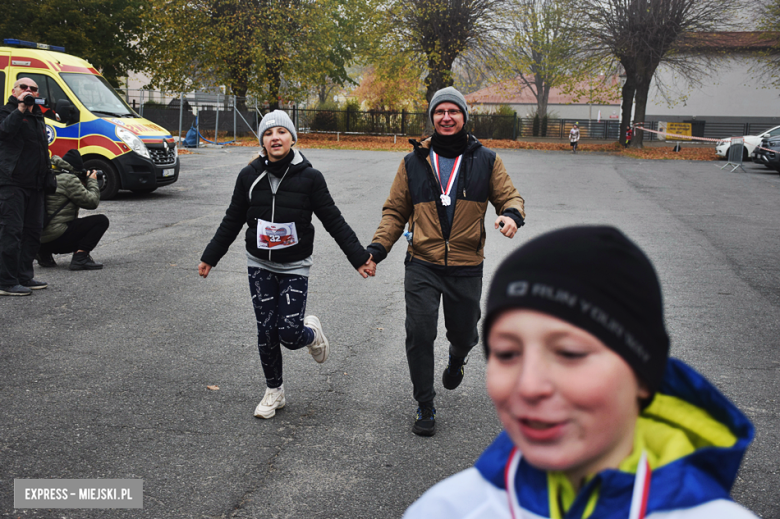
column 273, row 212
column 273, row 201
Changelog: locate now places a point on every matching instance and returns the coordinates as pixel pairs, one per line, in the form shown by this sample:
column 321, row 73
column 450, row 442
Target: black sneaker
column 453, row 374
column 45, row 259
column 15, row 290
column 34, row 284
column 425, row 421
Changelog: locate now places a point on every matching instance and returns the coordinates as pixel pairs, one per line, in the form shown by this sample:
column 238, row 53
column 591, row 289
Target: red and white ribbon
column 638, row 497
column 688, row 137
column 445, row 193
column 510, row 471
column 641, row 489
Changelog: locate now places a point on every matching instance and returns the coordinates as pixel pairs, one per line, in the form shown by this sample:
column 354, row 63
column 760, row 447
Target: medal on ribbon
column 445, row 192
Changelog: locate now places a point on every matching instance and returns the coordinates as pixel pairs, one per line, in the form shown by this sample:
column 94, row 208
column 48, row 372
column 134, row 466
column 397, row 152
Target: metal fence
column 723, row 130
column 223, row 118
column 376, row 122
column 560, row 128
column 216, row 117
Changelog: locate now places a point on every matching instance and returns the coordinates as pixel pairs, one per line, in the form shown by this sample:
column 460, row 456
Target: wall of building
column 733, row 92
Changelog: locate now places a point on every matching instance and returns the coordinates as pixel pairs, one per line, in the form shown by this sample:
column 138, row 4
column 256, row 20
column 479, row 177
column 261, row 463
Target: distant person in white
column 574, row 137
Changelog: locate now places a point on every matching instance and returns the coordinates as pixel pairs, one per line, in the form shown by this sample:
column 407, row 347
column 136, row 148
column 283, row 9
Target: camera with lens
column 84, row 175
column 30, row 100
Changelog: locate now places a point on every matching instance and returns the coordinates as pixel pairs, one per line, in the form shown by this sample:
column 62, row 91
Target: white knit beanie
column 277, row 118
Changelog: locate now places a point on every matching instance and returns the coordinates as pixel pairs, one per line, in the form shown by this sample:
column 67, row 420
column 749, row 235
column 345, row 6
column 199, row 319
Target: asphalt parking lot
column 105, row 373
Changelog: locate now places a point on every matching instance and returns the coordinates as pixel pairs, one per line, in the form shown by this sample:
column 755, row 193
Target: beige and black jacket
column 456, row 249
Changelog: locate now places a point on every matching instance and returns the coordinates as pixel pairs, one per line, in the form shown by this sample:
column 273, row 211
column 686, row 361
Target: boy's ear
column 644, row 391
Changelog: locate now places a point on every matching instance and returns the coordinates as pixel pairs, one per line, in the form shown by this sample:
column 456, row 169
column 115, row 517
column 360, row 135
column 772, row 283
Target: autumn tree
column 103, row 32
column 769, row 21
column 540, row 49
column 437, row 32
column 641, row 34
column 271, row 48
column 392, row 89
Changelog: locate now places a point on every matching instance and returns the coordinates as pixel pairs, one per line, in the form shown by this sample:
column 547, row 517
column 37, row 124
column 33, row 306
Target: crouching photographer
column 64, row 232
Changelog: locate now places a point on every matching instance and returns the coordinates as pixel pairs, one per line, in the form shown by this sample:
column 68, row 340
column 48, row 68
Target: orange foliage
column 385, row 143
column 392, row 91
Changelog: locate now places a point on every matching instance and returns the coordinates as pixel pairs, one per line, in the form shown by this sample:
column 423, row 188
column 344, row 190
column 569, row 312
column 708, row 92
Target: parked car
column 770, row 159
column 751, row 141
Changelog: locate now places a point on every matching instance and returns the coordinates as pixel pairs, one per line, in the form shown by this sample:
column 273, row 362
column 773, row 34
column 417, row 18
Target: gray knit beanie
column 449, row 95
column 277, row 118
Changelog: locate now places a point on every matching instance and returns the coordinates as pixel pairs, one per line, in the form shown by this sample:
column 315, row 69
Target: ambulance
column 83, row 112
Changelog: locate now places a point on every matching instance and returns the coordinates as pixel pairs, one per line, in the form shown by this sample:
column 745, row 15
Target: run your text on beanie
column 595, row 278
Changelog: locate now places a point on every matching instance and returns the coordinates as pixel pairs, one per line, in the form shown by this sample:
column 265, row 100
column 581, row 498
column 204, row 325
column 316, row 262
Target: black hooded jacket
column 302, row 192
column 24, row 147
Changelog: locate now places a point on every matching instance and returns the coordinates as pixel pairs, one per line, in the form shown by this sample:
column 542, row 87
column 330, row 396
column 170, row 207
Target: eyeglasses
column 24, row 87
column 453, row 113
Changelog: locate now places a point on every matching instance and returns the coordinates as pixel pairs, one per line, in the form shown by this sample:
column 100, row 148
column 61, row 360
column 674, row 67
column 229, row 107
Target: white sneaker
column 319, row 347
column 273, row 400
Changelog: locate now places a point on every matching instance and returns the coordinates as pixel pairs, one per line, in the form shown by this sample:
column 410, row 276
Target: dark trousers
column 81, row 234
column 21, row 222
column 424, row 289
column 280, row 304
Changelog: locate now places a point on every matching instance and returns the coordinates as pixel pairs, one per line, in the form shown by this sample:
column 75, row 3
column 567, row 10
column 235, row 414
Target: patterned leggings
column 280, row 303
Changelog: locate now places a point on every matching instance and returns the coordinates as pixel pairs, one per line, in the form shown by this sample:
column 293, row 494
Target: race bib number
column 272, row 235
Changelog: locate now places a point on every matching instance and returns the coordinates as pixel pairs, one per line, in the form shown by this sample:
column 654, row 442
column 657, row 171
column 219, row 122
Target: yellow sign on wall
column 679, row 129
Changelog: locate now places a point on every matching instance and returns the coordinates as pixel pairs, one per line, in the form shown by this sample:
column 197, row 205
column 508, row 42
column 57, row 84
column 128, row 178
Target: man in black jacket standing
column 24, row 162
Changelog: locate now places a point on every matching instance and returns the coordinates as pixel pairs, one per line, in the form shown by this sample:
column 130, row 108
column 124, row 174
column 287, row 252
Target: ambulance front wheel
column 110, row 186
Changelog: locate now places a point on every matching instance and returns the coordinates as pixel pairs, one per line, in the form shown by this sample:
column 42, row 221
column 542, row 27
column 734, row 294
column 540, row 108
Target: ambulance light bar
column 32, row 45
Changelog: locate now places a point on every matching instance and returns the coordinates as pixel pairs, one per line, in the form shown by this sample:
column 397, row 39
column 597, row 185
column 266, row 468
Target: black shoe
column 425, row 421
column 453, row 374
column 46, row 260
column 83, row 261
column 34, row 284
column 15, row 290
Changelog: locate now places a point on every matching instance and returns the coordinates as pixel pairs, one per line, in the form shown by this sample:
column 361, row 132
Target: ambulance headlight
column 132, row 140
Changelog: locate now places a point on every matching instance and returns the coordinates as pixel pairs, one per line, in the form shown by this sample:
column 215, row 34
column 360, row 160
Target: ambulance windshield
column 97, row 96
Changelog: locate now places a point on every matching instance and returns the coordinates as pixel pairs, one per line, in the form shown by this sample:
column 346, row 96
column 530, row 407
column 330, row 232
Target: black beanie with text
column 595, row 278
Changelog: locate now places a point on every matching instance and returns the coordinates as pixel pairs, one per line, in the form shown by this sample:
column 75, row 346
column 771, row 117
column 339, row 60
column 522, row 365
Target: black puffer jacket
column 24, row 148
column 302, row 192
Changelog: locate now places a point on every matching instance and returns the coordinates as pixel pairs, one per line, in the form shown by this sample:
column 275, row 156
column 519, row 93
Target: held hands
column 369, row 268
column 509, row 227
column 93, row 175
column 204, row 269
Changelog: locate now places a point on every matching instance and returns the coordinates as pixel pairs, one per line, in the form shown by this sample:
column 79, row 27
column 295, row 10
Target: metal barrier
column 225, row 115
column 735, row 154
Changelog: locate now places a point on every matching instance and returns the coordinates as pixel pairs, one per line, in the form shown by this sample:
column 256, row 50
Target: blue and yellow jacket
column 692, row 438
